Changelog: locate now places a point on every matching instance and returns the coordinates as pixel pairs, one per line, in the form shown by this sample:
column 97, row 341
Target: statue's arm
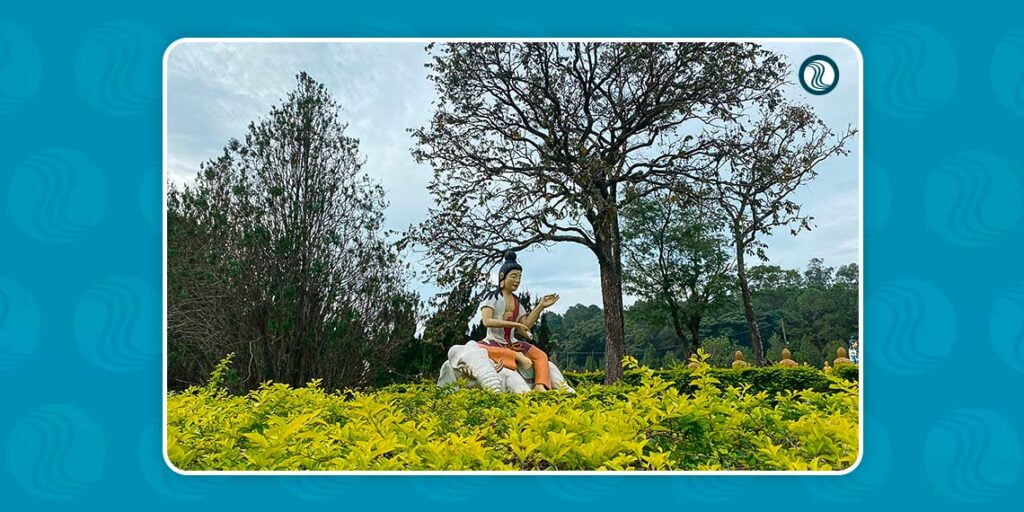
column 531, row 319
column 487, row 315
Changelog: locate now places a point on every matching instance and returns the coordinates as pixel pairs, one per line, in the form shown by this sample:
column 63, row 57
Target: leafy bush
column 645, row 425
column 847, row 371
column 772, row 379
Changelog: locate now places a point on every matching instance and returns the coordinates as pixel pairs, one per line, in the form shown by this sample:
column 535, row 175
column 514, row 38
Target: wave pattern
column 916, row 326
column 57, row 196
column 56, row 452
column 117, row 324
column 817, row 78
column 915, row 68
column 118, row 68
column 973, row 199
column 972, row 455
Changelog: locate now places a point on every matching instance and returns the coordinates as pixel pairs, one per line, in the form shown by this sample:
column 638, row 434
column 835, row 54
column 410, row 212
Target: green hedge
column 773, row 379
column 847, row 371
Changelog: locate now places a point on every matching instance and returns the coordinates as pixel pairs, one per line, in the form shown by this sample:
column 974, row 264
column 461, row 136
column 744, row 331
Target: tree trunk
column 677, row 325
column 611, row 295
column 610, row 260
column 748, row 308
column 695, row 332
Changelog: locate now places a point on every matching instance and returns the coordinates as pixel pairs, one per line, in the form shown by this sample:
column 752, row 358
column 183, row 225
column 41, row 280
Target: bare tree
column 537, row 143
column 762, row 160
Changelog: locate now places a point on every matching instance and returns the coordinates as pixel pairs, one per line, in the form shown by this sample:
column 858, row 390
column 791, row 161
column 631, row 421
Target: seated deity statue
column 507, row 342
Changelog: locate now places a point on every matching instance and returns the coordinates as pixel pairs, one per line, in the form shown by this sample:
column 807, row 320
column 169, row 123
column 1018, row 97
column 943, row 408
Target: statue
column 787, row 362
column 827, row 368
column 473, row 362
column 739, row 362
column 841, row 359
column 506, row 345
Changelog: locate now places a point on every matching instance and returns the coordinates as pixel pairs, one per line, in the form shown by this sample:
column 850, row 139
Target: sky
column 215, row 89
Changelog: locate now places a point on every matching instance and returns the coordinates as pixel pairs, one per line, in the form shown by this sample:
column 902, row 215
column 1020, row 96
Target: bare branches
column 541, row 143
column 762, row 160
column 533, row 143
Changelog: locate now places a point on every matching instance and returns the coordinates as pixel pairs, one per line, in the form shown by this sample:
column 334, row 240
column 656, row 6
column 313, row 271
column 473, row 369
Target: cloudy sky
column 215, row 89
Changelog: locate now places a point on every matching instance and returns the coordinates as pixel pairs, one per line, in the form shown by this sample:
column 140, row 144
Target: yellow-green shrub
column 773, row 379
column 647, row 426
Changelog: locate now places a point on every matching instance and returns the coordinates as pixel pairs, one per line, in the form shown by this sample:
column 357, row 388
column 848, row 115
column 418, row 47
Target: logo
column 819, row 75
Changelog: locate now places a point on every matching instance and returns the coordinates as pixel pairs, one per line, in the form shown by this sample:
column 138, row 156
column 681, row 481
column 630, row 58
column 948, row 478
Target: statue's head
column 510, row 273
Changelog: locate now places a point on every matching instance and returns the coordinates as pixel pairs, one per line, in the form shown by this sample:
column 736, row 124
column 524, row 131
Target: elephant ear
column 447, row 376
column 473, row 361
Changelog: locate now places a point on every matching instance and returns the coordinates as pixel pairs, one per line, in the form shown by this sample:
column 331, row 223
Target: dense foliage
column 275, row 252
column 676, row 256
column 648, row 425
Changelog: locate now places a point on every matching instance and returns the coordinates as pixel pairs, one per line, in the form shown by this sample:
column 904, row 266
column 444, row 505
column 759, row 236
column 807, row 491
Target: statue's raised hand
column 549, row 300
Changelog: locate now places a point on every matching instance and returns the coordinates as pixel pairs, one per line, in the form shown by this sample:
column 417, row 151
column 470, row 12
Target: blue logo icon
column 819, row 75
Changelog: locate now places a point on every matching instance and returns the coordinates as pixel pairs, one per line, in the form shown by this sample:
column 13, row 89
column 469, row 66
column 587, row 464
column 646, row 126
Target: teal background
column 80, row 255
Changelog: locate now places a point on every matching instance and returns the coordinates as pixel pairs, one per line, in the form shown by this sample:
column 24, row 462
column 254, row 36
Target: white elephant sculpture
column 472, row 362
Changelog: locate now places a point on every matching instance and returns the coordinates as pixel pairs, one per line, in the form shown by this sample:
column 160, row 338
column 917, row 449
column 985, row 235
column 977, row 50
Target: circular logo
column 819, row 74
